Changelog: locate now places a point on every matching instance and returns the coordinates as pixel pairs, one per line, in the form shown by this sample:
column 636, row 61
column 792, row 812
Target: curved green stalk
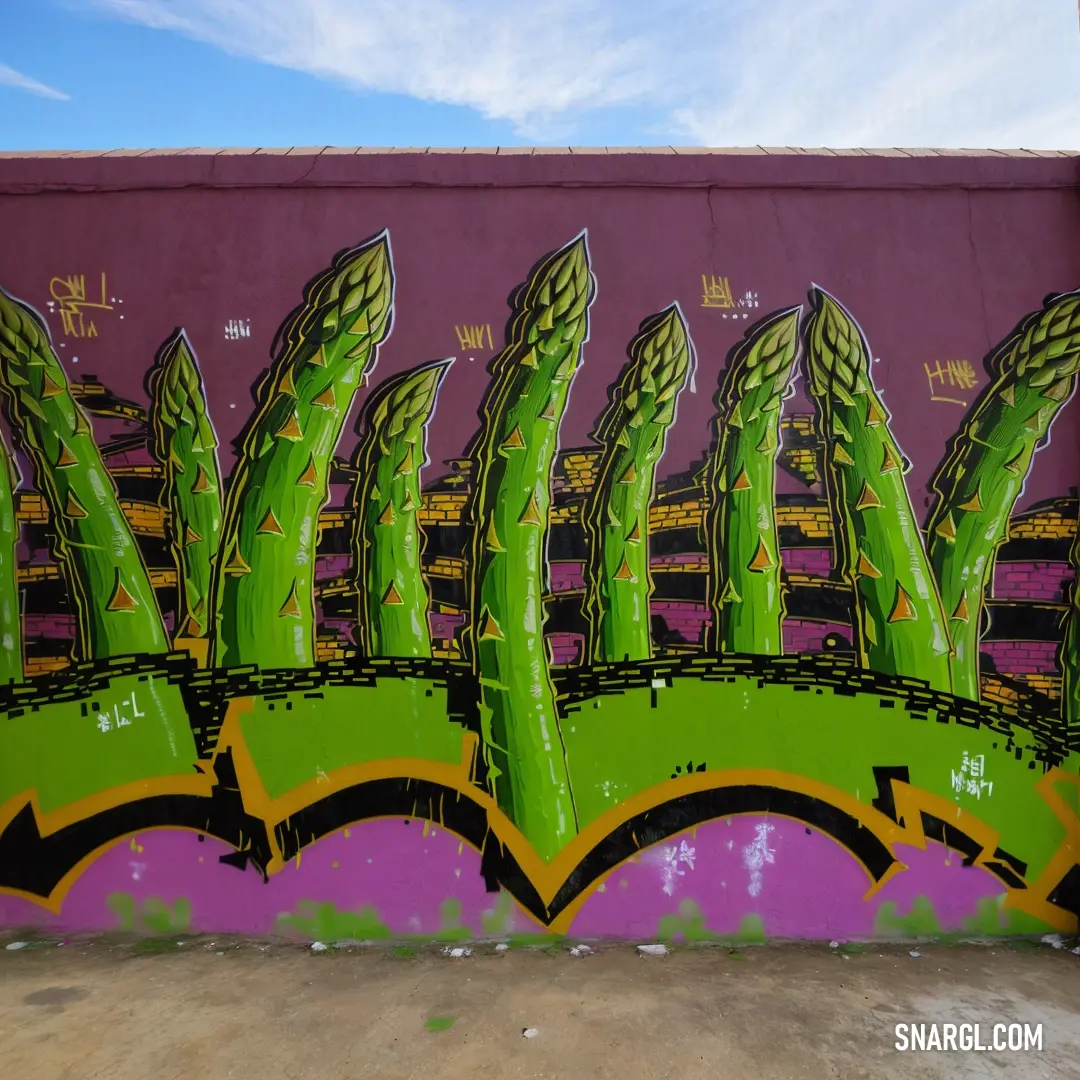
column 744, row 550
column 185, row 444
column 265, row 610
column 1034, row 374
column 900, row 626
column 521, row 414
column 632, row 430
column 108, row 586
column 387, row 541
column 11, row 658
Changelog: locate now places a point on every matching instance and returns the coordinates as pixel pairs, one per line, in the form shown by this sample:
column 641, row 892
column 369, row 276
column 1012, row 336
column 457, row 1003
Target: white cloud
column 16, row 79
column 722, row 72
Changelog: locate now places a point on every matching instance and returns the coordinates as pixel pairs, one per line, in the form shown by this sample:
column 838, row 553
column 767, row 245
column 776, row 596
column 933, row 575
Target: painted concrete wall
column 722, row 585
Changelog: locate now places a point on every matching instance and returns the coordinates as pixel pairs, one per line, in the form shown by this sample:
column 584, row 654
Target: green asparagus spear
column 108, row 586
column 387, row 541
column 632, row 431
column 520, row 415
column 1034, row 374
column 11, row 660
column 185, row 444
column 744, row 549
column 265, row 575
column 900, row 626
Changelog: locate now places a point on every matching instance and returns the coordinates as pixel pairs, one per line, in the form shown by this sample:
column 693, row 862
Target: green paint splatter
column 157, row 916
column 988, row 919
column 920, row 922
column 751, row 930
column 497, row 918
column 154, row 914
column 321, row 921
column 439, row 1023
column 689, row 926
column 122, row 905
column 324, row 922
column 452, row 928
column 991, row 919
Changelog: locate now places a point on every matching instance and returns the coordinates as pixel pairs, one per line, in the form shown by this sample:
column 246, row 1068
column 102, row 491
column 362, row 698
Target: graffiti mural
column 553, row 687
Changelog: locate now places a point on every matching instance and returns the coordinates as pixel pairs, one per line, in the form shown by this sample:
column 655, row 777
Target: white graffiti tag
column 756, row 855
column 672, row 857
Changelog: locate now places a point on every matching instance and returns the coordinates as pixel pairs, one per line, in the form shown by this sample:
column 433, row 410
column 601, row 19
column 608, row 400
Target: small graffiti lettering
column 952, row 375
column 971, row 779
column 117, row 717
column 237, row 328
column 673, row 856
column 756, row 855
column 69, row 295
column 474, row 336
column 716, row 292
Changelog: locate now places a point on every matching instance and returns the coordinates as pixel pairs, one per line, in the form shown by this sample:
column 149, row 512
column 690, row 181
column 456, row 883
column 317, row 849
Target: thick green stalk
column 265, row 608
column 632, row 430
column 185, row 444
column 745, row 598
column 1069, row 656
column 900, row 626
column 1034, row 374
column 11, row 660
column 108, row 586
column 387, row 541
column 514, row 451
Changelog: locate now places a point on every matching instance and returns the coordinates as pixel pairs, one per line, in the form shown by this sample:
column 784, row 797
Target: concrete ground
column 210, row 1009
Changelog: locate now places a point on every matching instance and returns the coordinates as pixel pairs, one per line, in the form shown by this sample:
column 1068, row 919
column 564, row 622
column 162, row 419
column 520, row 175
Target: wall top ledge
column 33, row 172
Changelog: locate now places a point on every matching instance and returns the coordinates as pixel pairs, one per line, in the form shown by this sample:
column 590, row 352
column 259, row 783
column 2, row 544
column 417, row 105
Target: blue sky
column 98, row 74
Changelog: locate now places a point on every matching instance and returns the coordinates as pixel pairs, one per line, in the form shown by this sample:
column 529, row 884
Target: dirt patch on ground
column 210, row 1009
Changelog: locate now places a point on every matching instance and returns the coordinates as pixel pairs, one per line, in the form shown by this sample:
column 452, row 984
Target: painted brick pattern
column 145, row 518
column 49, row 626
column 42, row 665
column 445, row 566
column 1032, row 581
column 565, row 513
column 806, row 635
column 681, row 515
column 813, row 521
column 687, row 619
column 1023, row 657
column 38, row 572
column 1048, row 525
column 442, row 508
column 566, row 576
column 814, row 562
column 579, row 471
column 332, row 566
column 566, row 649
column 444, row 625
column 1050, row 685
column 688, row 561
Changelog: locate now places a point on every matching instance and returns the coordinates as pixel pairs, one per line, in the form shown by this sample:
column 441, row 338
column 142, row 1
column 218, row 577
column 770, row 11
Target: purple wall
column 934, row 254
column 937, row 255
